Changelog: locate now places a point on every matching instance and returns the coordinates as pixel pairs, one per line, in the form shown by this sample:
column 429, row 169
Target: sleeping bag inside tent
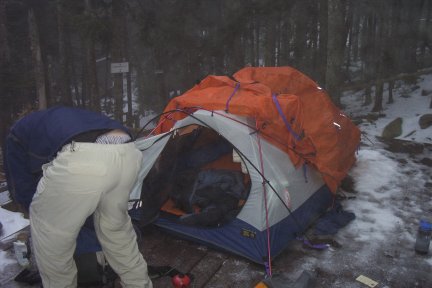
column 245, row 164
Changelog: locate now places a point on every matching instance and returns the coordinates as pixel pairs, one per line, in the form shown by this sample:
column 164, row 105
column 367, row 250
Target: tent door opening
column 198, row 179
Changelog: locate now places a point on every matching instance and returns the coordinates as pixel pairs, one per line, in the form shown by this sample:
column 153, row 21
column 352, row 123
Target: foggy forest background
column 60, row 51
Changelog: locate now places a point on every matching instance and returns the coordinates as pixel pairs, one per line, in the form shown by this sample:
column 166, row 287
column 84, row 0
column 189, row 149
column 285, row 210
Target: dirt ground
column 391, row 261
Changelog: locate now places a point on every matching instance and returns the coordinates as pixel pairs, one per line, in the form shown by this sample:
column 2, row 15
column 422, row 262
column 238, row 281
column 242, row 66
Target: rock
column 426, row 161
column 347, row 184
column 403, row 146
column 372, row 117
column 425, row 92
column 425, row 121
column 393, row 129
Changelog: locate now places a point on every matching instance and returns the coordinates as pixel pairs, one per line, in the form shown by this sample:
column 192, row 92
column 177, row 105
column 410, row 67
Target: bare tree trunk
column 323, row 42
column 314, row 42
column 335, row 49
column 5, row 59
column 368, row 96
column 126, row 53
column 78, row 93
column 381, row 48
column 378, row 96
column 390, row 92
column 285, row 42
column 117, row 54
column 85, row 94
column 163, row 97
column 409, row 34
column 349, row 26
column 390, row 40
column 140, row 86
column 355, row 33
column 118, row 96
column 278, row 40
column 428, row 30
column 270, row 41
column 65, row 85
column 93, row 87
column 367, row 53
column 422, row 30
column 4, row 43
column 129, row 118
column 251, row 31
column 238, row 53
column 37, row 60
column 91, row 71
column 257, row 31
column 298, row 12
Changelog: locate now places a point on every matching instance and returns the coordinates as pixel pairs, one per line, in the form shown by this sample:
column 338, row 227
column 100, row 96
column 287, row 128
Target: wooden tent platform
column 209, row 268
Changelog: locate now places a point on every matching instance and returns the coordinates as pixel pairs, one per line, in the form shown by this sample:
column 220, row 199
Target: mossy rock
column 393, row 129
column 425, row 121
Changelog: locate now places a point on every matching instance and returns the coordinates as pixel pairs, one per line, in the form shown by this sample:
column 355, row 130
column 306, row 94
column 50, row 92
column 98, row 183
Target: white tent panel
column 293, row 186
column 290, row 183
column 151, row 148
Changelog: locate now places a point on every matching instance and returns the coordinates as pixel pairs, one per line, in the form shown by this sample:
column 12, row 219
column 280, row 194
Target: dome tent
column 286, row 136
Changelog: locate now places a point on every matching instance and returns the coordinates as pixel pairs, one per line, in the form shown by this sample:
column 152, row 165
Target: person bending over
column 88, row 166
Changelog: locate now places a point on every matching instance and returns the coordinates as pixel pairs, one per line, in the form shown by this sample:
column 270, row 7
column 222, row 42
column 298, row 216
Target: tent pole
column 264, row 182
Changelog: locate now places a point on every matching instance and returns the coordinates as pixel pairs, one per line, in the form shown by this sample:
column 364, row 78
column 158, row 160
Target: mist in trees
column 59, row 51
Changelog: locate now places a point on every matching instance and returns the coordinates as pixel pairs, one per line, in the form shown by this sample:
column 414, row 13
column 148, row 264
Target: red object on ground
column 181, row 281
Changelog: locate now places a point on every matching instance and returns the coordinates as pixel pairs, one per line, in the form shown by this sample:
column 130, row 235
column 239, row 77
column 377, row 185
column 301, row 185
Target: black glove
column 29, row 277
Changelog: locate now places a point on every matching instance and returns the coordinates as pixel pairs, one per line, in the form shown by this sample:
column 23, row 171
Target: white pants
column 83, row 179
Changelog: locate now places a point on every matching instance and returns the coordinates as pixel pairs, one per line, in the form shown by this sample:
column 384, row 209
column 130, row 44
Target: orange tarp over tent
column 291, row 111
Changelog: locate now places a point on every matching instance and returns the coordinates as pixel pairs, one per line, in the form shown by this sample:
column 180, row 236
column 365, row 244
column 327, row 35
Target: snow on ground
column 5, row 260
column 409, row 104
column 12, row 222
column 392, row 193
column 381, row 177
